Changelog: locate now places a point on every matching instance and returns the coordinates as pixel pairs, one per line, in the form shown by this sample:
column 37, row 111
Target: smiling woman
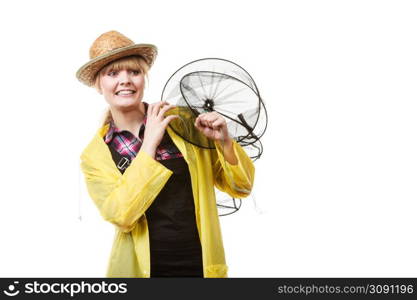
column 157, row 189
column 131, row 71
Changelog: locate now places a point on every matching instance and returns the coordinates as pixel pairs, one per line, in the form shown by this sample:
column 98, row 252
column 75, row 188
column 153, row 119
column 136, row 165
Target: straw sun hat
column 108, row 47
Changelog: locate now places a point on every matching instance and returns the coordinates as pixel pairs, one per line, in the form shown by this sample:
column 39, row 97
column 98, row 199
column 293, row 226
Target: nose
column 124, row 78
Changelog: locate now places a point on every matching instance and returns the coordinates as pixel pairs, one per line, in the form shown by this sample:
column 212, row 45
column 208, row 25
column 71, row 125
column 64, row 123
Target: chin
column 128, row 105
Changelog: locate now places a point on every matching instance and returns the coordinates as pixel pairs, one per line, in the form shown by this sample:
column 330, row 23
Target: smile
column 125, row 92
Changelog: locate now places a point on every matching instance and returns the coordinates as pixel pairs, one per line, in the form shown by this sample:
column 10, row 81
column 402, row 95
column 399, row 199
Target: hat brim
column 87, row 72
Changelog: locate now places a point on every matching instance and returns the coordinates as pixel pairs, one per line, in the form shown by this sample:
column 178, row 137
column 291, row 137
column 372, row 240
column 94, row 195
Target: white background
column 336, row 186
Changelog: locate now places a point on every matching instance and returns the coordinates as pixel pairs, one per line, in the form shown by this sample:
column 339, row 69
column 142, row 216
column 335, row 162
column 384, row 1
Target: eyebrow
column 129, row 69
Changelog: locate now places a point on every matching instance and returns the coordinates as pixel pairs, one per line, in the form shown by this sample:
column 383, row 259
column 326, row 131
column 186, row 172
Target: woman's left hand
column 212, row 125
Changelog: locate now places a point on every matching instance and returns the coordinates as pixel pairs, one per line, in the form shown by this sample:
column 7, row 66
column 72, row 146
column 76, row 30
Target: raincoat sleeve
column 123, row 199
column 236, row 180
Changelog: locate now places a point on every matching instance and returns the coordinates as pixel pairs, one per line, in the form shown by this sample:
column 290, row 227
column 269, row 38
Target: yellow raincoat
column 123, row 199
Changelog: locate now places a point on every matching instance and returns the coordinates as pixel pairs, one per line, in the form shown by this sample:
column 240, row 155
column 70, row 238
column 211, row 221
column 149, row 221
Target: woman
column 157, row 189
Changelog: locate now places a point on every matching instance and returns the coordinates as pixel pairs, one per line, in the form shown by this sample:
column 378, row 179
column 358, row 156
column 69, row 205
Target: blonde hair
column 135, row 62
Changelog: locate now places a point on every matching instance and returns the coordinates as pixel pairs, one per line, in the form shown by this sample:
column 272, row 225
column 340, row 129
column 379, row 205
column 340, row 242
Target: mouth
column 125, row 92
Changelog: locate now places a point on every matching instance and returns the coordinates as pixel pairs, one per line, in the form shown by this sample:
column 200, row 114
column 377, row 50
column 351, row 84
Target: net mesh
column 214, row 84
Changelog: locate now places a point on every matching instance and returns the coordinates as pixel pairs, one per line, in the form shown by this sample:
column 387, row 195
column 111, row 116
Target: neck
column 130, row 120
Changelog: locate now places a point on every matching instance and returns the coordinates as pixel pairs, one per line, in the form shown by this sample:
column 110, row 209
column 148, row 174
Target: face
column 123, row 90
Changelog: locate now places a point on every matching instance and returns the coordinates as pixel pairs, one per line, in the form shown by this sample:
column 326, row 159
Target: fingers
column 198, row 124
column 212, row 119
column 169, row 119
column 218, row 123
column 164, row 109
column 154, row 108
column 201, row 122
column 212, row 125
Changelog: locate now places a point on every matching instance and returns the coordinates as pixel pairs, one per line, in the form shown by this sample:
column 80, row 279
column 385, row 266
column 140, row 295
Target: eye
column 135, row 72
column 112, row 73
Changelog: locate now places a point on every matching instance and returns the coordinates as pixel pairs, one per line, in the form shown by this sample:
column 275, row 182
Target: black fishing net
column 214, row 84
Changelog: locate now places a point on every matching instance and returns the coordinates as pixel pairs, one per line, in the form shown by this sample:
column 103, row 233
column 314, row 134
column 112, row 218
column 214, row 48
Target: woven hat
column 108, row 47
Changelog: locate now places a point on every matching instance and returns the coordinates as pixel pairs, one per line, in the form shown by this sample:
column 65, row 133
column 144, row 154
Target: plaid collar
column 113, row 128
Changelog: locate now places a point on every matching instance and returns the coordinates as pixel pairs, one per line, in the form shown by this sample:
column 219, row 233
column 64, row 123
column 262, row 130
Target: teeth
column 124, row 92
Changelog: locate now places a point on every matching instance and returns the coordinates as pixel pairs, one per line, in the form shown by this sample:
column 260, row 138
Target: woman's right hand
column 156, row 124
